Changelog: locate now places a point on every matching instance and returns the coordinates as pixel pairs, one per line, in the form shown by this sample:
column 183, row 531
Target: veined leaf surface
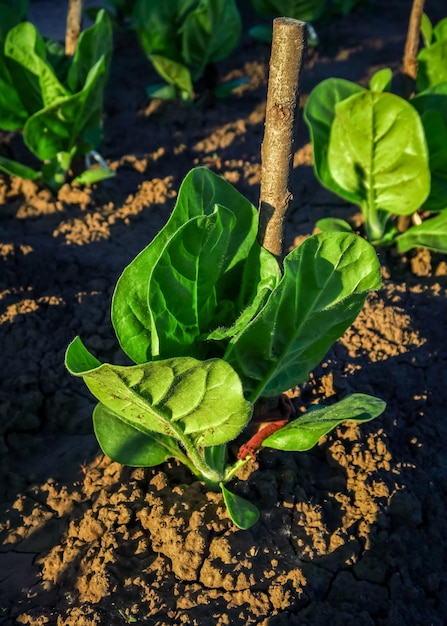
column 199, row 193
column 209, row 33
column 178, row 397
column 378, row 154
column 326, row 280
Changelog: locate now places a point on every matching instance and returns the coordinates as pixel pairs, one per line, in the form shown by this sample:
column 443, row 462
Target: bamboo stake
column 288, row 45
column 410, row 65
column 74, row 23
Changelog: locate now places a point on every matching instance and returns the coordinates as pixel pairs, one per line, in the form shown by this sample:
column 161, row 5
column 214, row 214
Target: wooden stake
column 410, row 65
column 74, row 24
column 288, row 44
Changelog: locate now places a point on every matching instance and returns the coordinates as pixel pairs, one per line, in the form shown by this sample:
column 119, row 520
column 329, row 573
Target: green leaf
column 426, row 30
column 94, row 175
column 128, row 446
column 333, row 224
column 242, row 512
column 94, row 44
column 12, row 168
column 200, row 191
column 325, row 282
column 209, row 33
column 182, row 292
column 10, row 15
column 303, row 433
column 319, row 114
column 180, row 397
column 431, row 105
column 25, row 46
column 432, row 65
column 157, row 26
column 440, row 30
column 74, row 122
column 174, row 73
column 381, row 80
column 378, row 155
column 261, row 274
column 13, row 114
column 431, row 234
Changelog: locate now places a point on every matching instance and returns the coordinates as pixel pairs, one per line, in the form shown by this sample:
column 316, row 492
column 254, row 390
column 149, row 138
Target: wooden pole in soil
column 74, row 23
column 288, row 45
column 410, row 65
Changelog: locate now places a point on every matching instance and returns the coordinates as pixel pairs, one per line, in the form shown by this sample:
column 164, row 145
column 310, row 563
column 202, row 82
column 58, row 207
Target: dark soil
column 351, row 533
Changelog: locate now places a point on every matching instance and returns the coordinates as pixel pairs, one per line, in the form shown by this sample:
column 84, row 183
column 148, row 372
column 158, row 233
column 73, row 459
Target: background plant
column 212, row 325
column 308, row 11
column 59, row 107
column 183, row 37
column 386, row 155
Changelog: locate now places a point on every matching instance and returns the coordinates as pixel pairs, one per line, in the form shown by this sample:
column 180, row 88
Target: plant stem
column 209, row 474
column 288, row 44
column 410, row 65
column 74, row 21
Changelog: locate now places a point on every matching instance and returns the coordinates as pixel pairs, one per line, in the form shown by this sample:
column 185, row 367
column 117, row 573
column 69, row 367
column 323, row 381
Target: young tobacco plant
column 61, row 118
column 182, row 37
column 385, row 154
column 213, row 325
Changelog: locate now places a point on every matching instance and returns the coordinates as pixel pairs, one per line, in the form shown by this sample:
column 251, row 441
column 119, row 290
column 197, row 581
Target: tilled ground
column 352, row 532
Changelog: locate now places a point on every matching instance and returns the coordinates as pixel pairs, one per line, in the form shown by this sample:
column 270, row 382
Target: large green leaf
column 242, row 512
column 94, row 44
column 25, row 46
column 319, row 114
column 305, row 10
column 378, row 154
column 74, row 122
column 200, row 191
column 183, row 286
column 180, row 397
column 325, row 282
column 127, row 445
column 303, row 433
column 209, row 33
column 431, row 234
